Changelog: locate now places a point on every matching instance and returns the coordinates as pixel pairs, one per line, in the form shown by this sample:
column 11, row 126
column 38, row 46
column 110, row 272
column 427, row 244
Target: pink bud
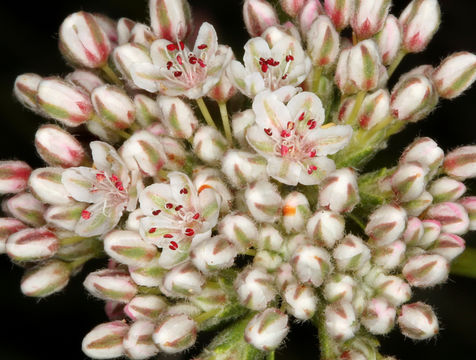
column 32, row 245
column 175, row 333
column 254, row 287
column 311, row 264
column 390, row 256
column 461, row 163
column 339, row 192
column 424, row 151
column 258, row 16
column 85, row 79
column 446, row 189
column 414, row 231
column 114, row 106
column 105, row 340
column 418, row 321
column 64, row 216
column 375, row 109
column 452, row 217
column 45, row 279
column 449, row 246
column 46, row 184
column 145, row 307
column 426, row 270
column 213, row 297
column 339, row 287
column 111, row 284
column 309, row 12
column 369, row 17
column 267, row 330
column 8, row 226
column 386, row 224
column 408, row 181
column 469, row 204
column 127, row 247
column 209, row 177
column 142, row 35
column 455, row 74
column 364, row 65
column 177, row 116
column 224, row 90
column 109, row 26
column 284, row 276
column 340, row 320
column 138, row 343
column 339, row 11
column 83, row 42
column 351, row 254
column 379, row 316
column 149, row 275
column 292, row 7
column 170, row 19
column 242, row 167
column 417, row 206
column 389, row 40
column 126, row 55
column 147, row 111
column 322, row 42
column 241, row 121
column 13, row 176
column 393, row 288
column 325, row 228
column 27, row 208
column 183, row 280
column 26, row 88
column 124, row 28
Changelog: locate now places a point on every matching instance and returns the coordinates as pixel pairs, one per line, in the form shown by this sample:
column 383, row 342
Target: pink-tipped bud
column 209, row 144
column 242, row 167
column 268, row 260
column 46, row 185
column 375, row 109
column 45, row 279
column 254, row 287
column 292, row 7
column 417, row 206
column 389, row 256
column 177, row 116
column 364, row 65
column 183, row 280
column 224, row 90
column 212, row 297
column 109, row 26
column 340, row 320
column 369, row 17
column 452, row 217
column 269, row 238
column 389, row 40
column 351, row 254
column 105, row 340
column 339, row 11
column 284, row 276
column 145, row 307
column 64, row 216
column 124, row 28
column 13, row 176
column 339, row 192
column 446, row 189
column 64, row 102
column 449, row 246
column 339, row 287
column 296, row 212
column 455, row 74
column 426, row 270
column 85, row 79
column 83, row 42
column 420, row 21
column 26, row 88
column 8, row 226
column 393, row 288
column 240, row 122
column 309, row 12
column 409, row 181
column 258, row 16
column 58, row 147
column 111, row 284
column 114, row 106
column 469, row 203
column 138, row 343
column 175, row 333
column 204, row 178
column 379, row 316
column 418, row 321
column 311, row 264
column 325, row 228
column 322, row 42
column 240, row 230
column 170, row 19
column 414, row 231
column 127, row 247
column 126, row 55
column 147, row 111
column 215, row 253
column 386, row 224
column 461, row 163
column 149, row 275
column 267, row 330
column 27, row 208
column 142, row 34
column 32, row 245
column 264, row 201
column 424, row 151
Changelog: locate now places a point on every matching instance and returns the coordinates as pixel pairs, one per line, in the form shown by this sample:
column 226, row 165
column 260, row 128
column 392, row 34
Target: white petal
column 328, row 140
column 210, row 203
column 284, row 170
column 106, row 158
column 102, row 219
column 79, row 182
column 285, row 93
column 170, row 258
column 255, row 49
column 146, row 75
column 324, row 167
column 206, row 36
column 183, row 190
column 153, row 229
column 159, row 53
column 260, row 141
column 270, row 112
column 309, row 104
column 154, row 197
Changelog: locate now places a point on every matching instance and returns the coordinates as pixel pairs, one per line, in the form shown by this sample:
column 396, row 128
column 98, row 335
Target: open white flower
column 109, row 186
column 175, row 70
column 270, row 64
column 292, row 138
column 177, row 216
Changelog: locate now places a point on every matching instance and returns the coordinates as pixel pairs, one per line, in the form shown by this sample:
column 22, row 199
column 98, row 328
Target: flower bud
column 417, row 206
column 240, row 230
column 418, row 321
column 264, row 201
column 64, row 216
column 204, row 178
column 311, row 264
column 449, row 246
column 284, row 276
column 141, row 34
column 126, row 55
column 213, row 297
column 292, row 243
column 424, row 151
column 105, row 340
column 209, row 144
column 258, row 16
column 469, row 204
column 127, row 247
column 46, row 185
column 254, row 287
column 83, row 42
column 215, row 253
column 309, row 12
column 452, row 217
column 138, row 343
column 111, row 284
column 8, row 226
column 379, row 316
column 58, row 147
column 386, row 224
column 170, row 19
column 223, row 91
column 340, row 320
column 301, row 301
column 322, row 42
column 325, row 228
column 364, row 65
column 446, row 189
column 292, row 7
column 339, row 191
column 85, row 79
column 145, row 307
column 27, row 208
column 240, row 122
column 45, row 278
column 461, row 163
column 13, row 176
column 420, row 21
column 296, row 212
column 269, row 239
column 124, row 28
column 389, row 256
column 368, row 17
column 375, row 109
column 175, row 153
column 242, row 168
column 266, row 330
column 268, row 260
column 339, row 12
column 393, row 288
column 32, row 245
column 351, row 254
column 175, row 333
column 426, row 270
column 408, row 181
column 177, row 116
column 147, row 110
column 389, row 40
column 114, row 310
column 414, row 231
column 455, row 74
column 182, row 281
column 149, row 275
column 339, row 287
column 108, row 25
column 114, row 106
column 103, row 132
column 26, row 88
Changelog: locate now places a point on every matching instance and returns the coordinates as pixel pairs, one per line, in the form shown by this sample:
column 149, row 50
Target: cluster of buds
column 243, row 226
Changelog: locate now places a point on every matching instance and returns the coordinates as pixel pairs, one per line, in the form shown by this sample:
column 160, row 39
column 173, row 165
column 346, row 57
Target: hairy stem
column 398, row 59
column 111, row 75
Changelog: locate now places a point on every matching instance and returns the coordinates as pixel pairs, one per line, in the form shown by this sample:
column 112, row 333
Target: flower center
column 274, row 72
column 111, row 188
column 184, row 66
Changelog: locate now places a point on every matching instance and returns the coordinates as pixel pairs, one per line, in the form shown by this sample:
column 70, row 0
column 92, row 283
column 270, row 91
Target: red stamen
column 202, row 46
column 311, row 169
column 262, row 61
column 183, row 191
column 178, row 208
column 284, row 76
column 189, row 232
column 301, row 117
column 182, row 45
column 285, row 133
column 201, row 63
column 290, row 125
column 268, row 131
column 289, row 58
column 179, row 59
column 171, row 47
column 173, row 245
column 311, row 124
column 169, row 65
column 313, row 153
column 100, row 177
column 85, row 214
column 177, row 73
column 264, row 68
column 196, row 216
column 168, row 236
column 114, row 178
column 152, row 230
column 169, row 206
column 284, row 150
column 156, row 212
column 192, row 60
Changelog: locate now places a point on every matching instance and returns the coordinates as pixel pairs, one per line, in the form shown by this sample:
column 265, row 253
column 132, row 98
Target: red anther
column 311, row 169
column 169, row 205
column 192, row 60
column 168, row 236
column 118, row 184
column 156, row 212
column 262, row 61
column 173, row 245
column 289, row 58
column 268, row 131
column 177, row 73
column 196, row 216
column 284, row 150
column 313, row 153
column 270, row 61
column 301, row 117
column 171, row 47
column 114, row 178
column 182, row 45
column 179, row 59
column 202, row 46
column 178, row 208
column 183, row 191
column 290, row 125
column 85, row 214
column 120, row 188
column 100, row 177
column 264, row 67
column 152, row 230
column 311, row 124
column 189, row 232
column 284, row 76
column 169, row 65
column 285, row 133
column 201, row 63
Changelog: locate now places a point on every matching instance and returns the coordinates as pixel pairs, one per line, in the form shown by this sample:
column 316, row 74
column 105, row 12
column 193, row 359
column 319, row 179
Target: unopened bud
column 264, row 201
column 114, row 106
column 339, row 287
column 240, row 122
column 325, row 228
column 389, row 256
column 389, row 40
column 266, row 330
column 147, row 110
column 351, row 254
column 311, row 264
column 124, row 28
column 126, row 55
column 461, row 163
column 386, row 224
column 242, row 167
column 379, row 316
column 45, row 278
column 418, row 321
column 27, row 208
column 149, row 275
column 103, row 132
column 426, row 270
column 32, row 245
column 417, row 206
column 8, row 226
column 446, row 189
column 175, row 153
column 85, row 79
column 408, row 181
column 46, row 185
column 145, row 307
column 424, row 151
column 240, row 230
column 339, row 12
column 177, row 116
column 254, row 287
column 414, row 232
column 469, row 203
column 393, row 288
column 292, row 243
column 258, row 16
column 26, row 88
column 339, row 191
column 420, row 20
column 209, row 144
column 213, row 296
column 111, row 284
column 170, row 19
column 364, row 65
column 142, row 34
column 127, row 247
column 452, row 217
column 284, row 276
column 268, row 260
column 105, row 340
column 369, row 17
column 322, row 42
column 292, row 7
column 215, row 253
column 175, row 333
column 224, row 90
column 309, row 12
column 375, row 109
column 108, row 25
column 138, row 343
column 296, row 212
column 340, row 320
column 13, row 176
column 183, row 280
column 448, row 245
column 64, row 216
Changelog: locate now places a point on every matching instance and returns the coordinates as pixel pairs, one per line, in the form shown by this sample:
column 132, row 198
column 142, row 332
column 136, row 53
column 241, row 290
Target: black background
column 53, row 328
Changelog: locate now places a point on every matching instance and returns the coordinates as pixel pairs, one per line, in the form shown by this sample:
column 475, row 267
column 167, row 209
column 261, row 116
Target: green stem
column 206, row 315
column 316, row 79
column 205, row 113
column 111, row 75
column 325, row 341
column 465, row 264
column 398, row 59
column 270, row 355
column 149, row 290
column 226, row 121
column 356, row 220
column 357, row 105
column 250, row 252
column 73, row 265
column 71, row 240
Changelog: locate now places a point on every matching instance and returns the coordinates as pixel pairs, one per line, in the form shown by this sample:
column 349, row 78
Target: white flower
column 177, row 217
column 293, row 139
column 270, row 65
column 109, row 186
column 175, row 70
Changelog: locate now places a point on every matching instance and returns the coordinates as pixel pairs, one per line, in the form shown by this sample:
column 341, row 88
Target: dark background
column 53, row 328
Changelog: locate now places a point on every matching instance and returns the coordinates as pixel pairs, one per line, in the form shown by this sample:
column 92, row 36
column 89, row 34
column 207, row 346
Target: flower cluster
column 246, row 224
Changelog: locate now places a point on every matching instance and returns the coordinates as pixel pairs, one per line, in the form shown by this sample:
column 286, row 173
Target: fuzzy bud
column 339, row 12
column 408, row 182
column 46, row 185
column 8, row 226
column 292, row 7
column 452, row 217
column 223, row 91
column 389, row 40
column 111, row 284
column 127, row 247
column 351, row 254
column 212, row 297
column 124, row 28
column 254, row 287
column 258, row 16
column 418, row 321
column 375, row 109
column 177, row 116
column 64, row 216
column 138, row 343
column 414, row 231
column 170, row 19
column 311, row 264
column 389, row 256
column 149, row 275
column 85, row 79
column 126, row 55
column 417, row 206
column 369, row 17
column 242, row 168
column 296, row 211
column 393, row 288
column 339, row 191
column 424, row 151
column 268, row 260
column 25, row 207
column 175, row 333
column 322, row 42
column 461, row 163
column 142, row 35
column 420, row 21
column 32, row 245
column 325, row 228
column 204, row 178
column 455, row 74
column 183, row 280
column 13, row 176
column 339, row 287
column 240, row 122
column 240, row 230
column 45, row 279
column 215, row 253
column 379, row 316
column 309, row 12
column 449, row 246
column 363, row 66
column 266, row 330
column 340, row 320
column 264, row 201
column 446, row 189
column 469, row 203
column 209, row 144
column 386, row 224
column 145, row 307
column 105, row 340
column 269, row 238
column 426, row 270
column 114, row 106
column 26, row 88
column 284, row 276
column 147, row 110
